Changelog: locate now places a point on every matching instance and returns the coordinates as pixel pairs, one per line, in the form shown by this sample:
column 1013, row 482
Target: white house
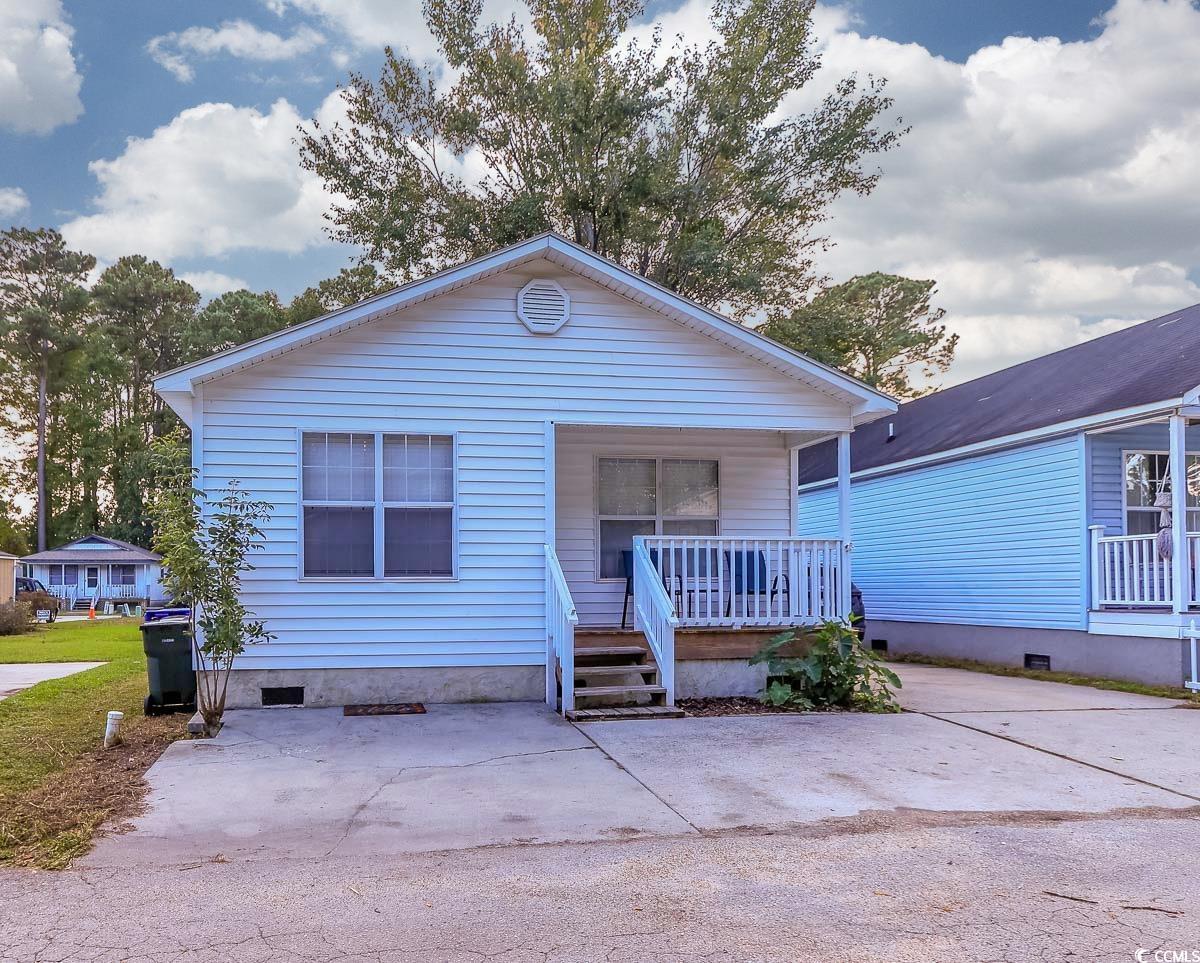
column 98, row 569
column 470, row 472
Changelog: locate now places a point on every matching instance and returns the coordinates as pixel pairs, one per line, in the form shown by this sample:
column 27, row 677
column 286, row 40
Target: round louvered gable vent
column 543, row 306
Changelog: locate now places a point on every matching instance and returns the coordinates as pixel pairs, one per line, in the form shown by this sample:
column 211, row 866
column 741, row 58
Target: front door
column 92, row 577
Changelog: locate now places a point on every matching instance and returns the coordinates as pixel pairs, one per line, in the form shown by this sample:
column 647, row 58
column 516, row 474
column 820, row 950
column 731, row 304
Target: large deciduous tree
column 689, row 166
column 879, row 327
column 42, row 302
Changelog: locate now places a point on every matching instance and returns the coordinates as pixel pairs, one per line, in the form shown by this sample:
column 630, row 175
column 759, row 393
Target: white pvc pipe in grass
column 112, row 730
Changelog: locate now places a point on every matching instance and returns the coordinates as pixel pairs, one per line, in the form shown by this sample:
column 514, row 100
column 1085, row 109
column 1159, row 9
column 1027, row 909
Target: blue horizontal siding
column 992, row 540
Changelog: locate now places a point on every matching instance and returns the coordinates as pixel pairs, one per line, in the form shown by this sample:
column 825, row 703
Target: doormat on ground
column 385, row 709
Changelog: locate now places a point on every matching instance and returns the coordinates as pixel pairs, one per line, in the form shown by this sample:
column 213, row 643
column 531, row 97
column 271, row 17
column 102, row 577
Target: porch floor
column 698, row 643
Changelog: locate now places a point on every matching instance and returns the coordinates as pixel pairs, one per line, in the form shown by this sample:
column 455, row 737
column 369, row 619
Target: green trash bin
column 168, row 647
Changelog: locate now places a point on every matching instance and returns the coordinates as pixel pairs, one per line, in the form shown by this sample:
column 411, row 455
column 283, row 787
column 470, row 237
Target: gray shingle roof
column 124, row 552
column 1154, row 361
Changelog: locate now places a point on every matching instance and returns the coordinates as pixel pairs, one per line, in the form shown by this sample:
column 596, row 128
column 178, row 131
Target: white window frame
column 379, row 506
column 1126, row 508
column 659, row 517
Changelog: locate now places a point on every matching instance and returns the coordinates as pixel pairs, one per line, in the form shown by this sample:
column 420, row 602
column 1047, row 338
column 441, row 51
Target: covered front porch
column 1144, row 531
column 665, row 536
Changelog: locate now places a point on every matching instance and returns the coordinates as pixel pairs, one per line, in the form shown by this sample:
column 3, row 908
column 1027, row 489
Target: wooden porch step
column 609, row 714
column 618, row 670
column 617, row 690
column 610, row 651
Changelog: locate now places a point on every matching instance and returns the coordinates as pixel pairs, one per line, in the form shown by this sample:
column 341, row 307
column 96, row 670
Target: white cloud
column 234, row 38
column 214, row 180
column 212, row 283
column 39, row 82
column 13, row 201
column 370, row 24
column 1044, row 184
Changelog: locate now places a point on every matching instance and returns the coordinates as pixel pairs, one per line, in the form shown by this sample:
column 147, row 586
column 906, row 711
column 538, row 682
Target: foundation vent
column 543, row 306
column 283, row 695
column 1041, row 662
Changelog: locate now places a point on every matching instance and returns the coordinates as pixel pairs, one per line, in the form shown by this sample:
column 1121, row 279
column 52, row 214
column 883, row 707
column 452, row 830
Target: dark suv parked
column 34, row 592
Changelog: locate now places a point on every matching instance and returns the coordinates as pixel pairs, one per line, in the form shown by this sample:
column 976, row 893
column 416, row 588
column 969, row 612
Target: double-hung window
column 378, row 505
column 1147, row 476
column 653, row 496
column 64, row 574
column 121, row 575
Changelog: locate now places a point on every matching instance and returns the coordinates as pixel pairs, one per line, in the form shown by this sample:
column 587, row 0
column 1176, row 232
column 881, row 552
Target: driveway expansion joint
column 1058, row 755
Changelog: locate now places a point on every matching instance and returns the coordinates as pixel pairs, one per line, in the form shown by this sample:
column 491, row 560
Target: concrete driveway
column 21, row 675
column 310, row 783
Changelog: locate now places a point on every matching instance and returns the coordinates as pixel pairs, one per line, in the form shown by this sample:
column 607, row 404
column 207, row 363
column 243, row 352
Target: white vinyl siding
column 997, row 539
column 753, row 478
column 464, row 364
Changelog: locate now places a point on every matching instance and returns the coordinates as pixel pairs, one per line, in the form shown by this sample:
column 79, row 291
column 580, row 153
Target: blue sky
column 1034, row 186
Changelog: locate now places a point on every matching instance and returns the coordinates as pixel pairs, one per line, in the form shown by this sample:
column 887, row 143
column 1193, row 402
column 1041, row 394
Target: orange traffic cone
column 92, row 611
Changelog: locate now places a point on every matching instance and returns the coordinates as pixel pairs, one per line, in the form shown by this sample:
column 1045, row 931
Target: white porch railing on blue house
column 733, row 581
column 1128, row 571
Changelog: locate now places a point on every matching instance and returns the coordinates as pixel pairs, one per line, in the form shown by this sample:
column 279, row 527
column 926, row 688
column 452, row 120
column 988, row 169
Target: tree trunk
column 41, row 457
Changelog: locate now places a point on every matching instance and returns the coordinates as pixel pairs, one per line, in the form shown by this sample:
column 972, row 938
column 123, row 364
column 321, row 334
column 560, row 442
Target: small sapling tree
column 205, row 545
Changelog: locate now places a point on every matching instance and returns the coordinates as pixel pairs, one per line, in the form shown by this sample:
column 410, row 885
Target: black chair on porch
column 749, row 578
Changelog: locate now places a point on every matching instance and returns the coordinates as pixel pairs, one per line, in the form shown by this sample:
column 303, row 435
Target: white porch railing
column 68, row 593
column 561, row 620
column 733, row 581
column 1128, row 572
column 654, row 614
column 121, row 592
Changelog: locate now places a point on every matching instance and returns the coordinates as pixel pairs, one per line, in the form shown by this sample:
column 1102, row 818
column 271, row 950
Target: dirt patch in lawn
column 55, row 822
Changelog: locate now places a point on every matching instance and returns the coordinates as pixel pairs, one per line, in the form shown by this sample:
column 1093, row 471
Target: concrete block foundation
column 1135, row 659
column 339, row 687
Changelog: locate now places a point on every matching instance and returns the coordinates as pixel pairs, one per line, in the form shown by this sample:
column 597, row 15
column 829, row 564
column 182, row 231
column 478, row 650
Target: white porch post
column 845, row 532
column 1180, row 582
column 550, row 508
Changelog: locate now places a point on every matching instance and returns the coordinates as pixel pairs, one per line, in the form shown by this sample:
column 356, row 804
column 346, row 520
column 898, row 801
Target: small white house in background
column 475, row 473
column 97, row 569
column 1031, row 516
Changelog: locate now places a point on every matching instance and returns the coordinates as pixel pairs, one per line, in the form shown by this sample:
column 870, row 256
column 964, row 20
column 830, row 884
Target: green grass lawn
column 57, row 784
column 104, row 640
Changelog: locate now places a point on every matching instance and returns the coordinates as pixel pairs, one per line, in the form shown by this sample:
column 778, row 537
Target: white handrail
column 561, row 619
column 730, row 580
column 654, row 614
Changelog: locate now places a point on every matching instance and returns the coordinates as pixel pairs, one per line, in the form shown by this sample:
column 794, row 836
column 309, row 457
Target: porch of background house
column 82, row 585
column 1136, row 589
column 678, row 544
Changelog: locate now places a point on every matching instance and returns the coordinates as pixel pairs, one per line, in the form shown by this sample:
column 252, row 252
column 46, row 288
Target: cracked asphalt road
column 503, row 833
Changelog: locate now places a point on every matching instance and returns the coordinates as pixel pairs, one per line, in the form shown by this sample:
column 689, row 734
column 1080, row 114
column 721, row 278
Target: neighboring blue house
column 94, row 569
column 1018, row 515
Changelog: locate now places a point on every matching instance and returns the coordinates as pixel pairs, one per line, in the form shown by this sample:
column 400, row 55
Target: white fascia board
column 1108, row 420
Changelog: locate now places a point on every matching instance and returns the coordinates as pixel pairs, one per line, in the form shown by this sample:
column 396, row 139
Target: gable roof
column 177, row 386
column 113, row 550
column 1155, row 363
